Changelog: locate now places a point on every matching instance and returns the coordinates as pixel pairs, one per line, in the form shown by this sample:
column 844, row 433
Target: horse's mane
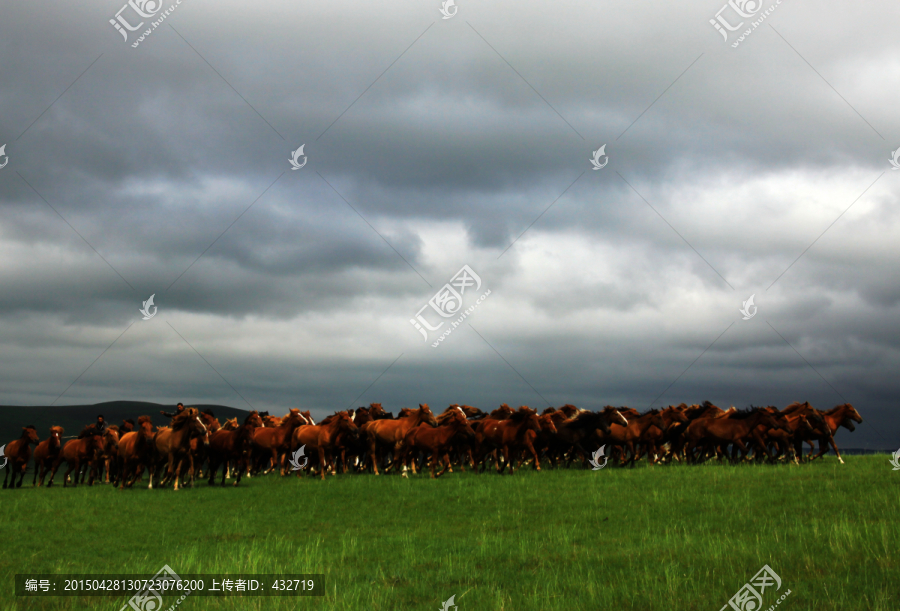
column 584, row 418
column 549, row 410
column 743, row 414
column 143, row 419
column 522, row 414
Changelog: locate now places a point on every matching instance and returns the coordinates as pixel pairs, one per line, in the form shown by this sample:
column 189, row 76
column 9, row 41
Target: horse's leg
column 373, row 454
column 834, row 446
column 69, row 470
column 323, row 466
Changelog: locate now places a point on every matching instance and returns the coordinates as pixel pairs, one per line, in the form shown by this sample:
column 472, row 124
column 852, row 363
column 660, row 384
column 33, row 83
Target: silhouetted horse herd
column 371, row 439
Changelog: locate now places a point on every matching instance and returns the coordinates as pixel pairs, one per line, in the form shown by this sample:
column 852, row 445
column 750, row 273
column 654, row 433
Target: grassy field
column 667, row 538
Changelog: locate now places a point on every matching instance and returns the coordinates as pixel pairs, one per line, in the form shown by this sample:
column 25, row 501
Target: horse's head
column 145, row 425
column 346, row 425
column 127, row 426
column 849, row 413
column 56, row 433
column 94, row 444
column 426, row 415
column 376, row 411
column 614, row 416
column 804, row 425
column 252, row 419
column 308, row 417
column 196, row 429
column 459, row 424
column 30, row 434
column 210, row 421
column 111, row 438
column 472, row 412
column 546, row 423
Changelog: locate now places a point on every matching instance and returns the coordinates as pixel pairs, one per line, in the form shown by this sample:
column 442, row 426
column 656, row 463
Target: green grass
column 663, row 537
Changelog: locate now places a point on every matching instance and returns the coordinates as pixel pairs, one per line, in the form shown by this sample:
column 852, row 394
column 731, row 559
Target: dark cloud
column 725, row 166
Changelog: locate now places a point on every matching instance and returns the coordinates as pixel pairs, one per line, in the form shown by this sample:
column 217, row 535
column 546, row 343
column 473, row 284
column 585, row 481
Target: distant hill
column 74, row 417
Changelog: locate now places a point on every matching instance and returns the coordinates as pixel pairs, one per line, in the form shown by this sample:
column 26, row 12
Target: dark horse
column 226, row 445
column 18, row 453
column 438, row 441
column 46, row 452
column 324, row 437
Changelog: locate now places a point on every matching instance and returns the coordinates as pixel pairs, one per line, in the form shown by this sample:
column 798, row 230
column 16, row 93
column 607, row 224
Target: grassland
column 649, row 538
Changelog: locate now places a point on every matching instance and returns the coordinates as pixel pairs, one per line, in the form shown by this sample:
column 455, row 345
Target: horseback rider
column 178, row 409
column 93, row 429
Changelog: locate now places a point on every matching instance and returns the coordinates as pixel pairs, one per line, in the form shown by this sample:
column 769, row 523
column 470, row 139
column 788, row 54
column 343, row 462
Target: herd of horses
column 371, row 439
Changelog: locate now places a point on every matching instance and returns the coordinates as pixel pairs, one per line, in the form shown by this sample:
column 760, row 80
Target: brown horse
column 323, row 438
column 509, row 434
column 437, row 441
column 18, row 453
column 46, row 452
column 724, row 431
column 575, row 432
column 840, row 416
column 173, row 446
column 654, row 436
column 272, row 441
column 391, row 433
column 226, row 445
column 501, row 413
column 108, row 457
column 135, row 451
column 624, row 438
column 77, row 452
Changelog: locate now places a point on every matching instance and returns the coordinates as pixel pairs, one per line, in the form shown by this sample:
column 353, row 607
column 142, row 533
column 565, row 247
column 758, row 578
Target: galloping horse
column 509, row 434
column 46, row 452
column 625, row 437
column 438, row 441
column 135, row 451
column 226, row 445
column 76, row 452
column 391, row 433
column 271, row 441
column 323, row 438
column 842, row 415
column 175, row 444
column 19, row 453
column 715, row 431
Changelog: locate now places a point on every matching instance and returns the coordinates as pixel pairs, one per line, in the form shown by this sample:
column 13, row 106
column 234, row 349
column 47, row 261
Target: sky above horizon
column 430, row 144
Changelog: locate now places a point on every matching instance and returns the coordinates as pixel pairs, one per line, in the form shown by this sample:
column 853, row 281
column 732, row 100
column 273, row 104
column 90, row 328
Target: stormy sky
column 164, row 169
